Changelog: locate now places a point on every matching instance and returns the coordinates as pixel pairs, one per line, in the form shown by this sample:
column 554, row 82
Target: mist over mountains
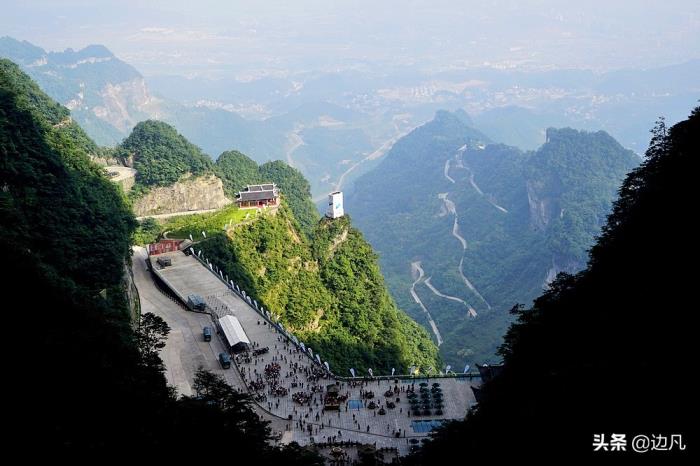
column 335, row 125
column 499, row 268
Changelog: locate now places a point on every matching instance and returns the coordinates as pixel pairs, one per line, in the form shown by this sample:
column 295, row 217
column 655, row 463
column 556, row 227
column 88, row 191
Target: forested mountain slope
column 105, row 95
column 90, row 380
column 606, row 350
column 327, row 289
column 161, row 155
column 337, row 302
column 172, row 174
column 466, row 229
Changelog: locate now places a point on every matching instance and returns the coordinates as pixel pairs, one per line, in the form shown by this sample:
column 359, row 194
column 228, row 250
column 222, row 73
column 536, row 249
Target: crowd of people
column 282, row 372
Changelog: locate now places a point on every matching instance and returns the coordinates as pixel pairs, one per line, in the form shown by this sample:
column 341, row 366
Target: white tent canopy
column 233, row 331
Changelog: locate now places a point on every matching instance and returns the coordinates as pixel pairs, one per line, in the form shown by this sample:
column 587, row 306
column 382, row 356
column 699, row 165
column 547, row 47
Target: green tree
column 161, row 155
column 150, row 338
column 68, row 230
column 237, row 171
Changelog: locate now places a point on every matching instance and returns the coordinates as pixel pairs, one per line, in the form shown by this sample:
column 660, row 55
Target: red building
column 164, row 245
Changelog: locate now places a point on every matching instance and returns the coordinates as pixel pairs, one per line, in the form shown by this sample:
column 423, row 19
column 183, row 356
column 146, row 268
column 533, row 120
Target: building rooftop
column 258, row 192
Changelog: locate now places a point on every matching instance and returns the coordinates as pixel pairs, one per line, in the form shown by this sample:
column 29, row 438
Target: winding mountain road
column 469, row 284
column 460, row 164
column 416, row 268
column 451, row 208
column 447, row 171
column 294, row 141
column 436, row 292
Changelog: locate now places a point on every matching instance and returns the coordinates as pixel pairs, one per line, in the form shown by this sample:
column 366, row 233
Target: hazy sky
column 209, row 37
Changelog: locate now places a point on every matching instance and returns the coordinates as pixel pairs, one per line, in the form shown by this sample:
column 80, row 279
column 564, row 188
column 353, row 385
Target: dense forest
column 161, row 156
column 488, row 224
column 96, row 382
column 328, row 289
column 607, row 350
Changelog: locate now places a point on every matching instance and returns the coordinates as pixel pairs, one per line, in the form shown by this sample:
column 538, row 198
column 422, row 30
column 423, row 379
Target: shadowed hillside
column 608, row 350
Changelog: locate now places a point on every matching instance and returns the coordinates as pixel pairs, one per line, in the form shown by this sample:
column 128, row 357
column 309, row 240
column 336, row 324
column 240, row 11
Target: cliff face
column 200, row 193
column 105, row 95
column 125, row 103
column 543, row 208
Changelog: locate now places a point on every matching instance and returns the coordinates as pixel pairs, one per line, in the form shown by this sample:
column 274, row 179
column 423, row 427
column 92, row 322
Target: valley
column 273, row 233
column 293, row 143
column 472, row 226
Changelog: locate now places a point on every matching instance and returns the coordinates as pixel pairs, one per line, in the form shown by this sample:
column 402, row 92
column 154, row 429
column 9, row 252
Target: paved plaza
column 287, row 384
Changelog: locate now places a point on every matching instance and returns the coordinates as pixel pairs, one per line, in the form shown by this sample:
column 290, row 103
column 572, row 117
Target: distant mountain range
column 105, row 95
column 466, row 229
column 336, row 125
column 108, row 97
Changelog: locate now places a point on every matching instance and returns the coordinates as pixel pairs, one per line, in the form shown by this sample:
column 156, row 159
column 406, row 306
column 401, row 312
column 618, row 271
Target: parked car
column 225, row 360
column 206, row 331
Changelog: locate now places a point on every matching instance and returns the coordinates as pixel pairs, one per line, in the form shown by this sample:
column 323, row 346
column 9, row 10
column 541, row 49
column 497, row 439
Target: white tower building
column 335, row 205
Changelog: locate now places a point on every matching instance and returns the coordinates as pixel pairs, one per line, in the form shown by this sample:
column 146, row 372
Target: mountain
column 581, row 355
column 162, row 156
column 171, row 174
column 466, row 229
column 174, row 175
column 49, row 180
column 108, row 97
column 105, row 95
column 321, row 278
column 69, row 231
column 327, row 289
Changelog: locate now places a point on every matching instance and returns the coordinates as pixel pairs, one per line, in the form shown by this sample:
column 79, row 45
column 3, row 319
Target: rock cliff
column 198, row 193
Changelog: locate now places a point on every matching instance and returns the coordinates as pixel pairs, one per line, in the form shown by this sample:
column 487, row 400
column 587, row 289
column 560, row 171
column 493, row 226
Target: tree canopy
column 327, row 289
column 161, row 156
